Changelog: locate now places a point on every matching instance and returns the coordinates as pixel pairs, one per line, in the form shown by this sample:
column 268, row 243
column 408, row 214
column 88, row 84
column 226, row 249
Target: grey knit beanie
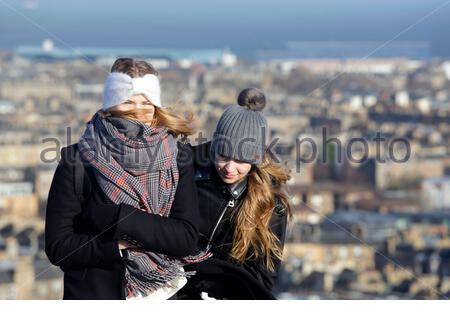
column 241, row 132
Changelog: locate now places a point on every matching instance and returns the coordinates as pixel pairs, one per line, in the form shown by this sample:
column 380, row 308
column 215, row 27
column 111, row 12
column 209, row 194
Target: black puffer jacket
column 218, row 204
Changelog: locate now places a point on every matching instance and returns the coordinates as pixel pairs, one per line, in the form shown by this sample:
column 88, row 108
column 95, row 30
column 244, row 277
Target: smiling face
column 138, row 107
column 231, row 171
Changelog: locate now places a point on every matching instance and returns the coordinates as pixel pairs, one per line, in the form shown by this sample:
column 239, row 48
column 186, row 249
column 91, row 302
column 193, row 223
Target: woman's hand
column 125, row 245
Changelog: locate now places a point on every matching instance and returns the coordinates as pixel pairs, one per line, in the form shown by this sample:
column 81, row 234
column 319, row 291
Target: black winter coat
column 82, row 237
column 218, row 204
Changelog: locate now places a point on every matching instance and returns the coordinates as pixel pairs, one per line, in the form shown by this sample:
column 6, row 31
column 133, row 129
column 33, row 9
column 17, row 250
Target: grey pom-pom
column 252, row 98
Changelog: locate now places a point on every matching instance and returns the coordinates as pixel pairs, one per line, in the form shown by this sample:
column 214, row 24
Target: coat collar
column 237, row 189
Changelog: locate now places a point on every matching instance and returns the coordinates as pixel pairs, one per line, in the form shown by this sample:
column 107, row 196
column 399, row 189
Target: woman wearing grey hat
column 243, row 206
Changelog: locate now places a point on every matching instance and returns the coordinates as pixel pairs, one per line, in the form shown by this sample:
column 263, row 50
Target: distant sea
column 291, row 51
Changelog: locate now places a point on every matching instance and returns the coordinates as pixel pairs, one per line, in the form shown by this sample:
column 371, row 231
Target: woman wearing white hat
column 138, row 195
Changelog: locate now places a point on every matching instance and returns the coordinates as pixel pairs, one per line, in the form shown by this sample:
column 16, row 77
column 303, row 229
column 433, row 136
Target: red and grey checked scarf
column 136, row 164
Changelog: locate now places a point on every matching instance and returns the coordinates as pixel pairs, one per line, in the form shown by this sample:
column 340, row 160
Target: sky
column 238, row 25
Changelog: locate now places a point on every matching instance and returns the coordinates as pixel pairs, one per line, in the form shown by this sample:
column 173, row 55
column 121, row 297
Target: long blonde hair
column 252, row 233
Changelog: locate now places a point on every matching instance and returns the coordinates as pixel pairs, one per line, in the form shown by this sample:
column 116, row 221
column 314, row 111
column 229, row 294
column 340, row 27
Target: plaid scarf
column 136, row 164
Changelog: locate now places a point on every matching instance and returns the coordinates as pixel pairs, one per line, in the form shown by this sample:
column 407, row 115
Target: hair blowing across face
column 163, row 117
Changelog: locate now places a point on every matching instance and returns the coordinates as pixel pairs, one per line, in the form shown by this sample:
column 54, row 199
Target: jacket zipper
column 229, row 205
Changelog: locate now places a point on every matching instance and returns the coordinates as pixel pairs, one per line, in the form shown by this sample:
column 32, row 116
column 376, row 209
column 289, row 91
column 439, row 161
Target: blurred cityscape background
column 367, row 81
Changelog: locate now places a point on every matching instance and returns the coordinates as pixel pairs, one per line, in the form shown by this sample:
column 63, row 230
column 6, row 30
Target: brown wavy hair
column 252, row 236
column 163, row 117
